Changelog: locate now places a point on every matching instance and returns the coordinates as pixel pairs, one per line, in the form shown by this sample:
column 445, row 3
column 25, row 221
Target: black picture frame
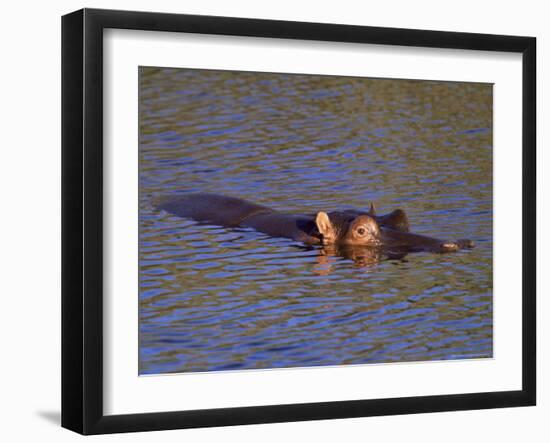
column 82, row 218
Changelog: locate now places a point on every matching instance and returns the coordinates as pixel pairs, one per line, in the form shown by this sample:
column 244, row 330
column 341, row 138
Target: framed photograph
column 269, row 221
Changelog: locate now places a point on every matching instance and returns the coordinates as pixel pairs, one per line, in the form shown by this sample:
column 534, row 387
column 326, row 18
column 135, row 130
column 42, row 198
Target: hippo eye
column 361, row 231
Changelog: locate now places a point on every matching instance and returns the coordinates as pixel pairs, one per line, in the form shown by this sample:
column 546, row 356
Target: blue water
column 213, row 298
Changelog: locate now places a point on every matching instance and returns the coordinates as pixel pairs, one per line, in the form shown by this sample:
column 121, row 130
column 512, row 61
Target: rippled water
column 213, row 298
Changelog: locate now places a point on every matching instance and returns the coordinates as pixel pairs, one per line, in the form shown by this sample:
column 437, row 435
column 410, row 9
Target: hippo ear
column 324, row 225
column 372, row 210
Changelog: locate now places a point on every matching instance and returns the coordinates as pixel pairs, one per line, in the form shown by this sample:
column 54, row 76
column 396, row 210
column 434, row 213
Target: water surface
column 213, row 298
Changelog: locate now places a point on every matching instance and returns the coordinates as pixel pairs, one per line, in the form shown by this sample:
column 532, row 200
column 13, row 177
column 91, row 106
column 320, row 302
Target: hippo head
column 345, row 229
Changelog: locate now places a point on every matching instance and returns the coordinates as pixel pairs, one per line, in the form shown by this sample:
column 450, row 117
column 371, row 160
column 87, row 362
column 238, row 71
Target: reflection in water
column 362, row 255
column 213, row 298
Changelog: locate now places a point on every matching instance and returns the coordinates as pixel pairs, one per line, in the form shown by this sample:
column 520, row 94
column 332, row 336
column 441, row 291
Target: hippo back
column 213, row 208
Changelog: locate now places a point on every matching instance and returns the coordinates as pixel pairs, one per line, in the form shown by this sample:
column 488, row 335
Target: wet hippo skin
column 348, row 227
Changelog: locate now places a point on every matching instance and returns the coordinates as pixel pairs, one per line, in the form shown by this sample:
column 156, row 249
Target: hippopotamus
column 344, row 228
